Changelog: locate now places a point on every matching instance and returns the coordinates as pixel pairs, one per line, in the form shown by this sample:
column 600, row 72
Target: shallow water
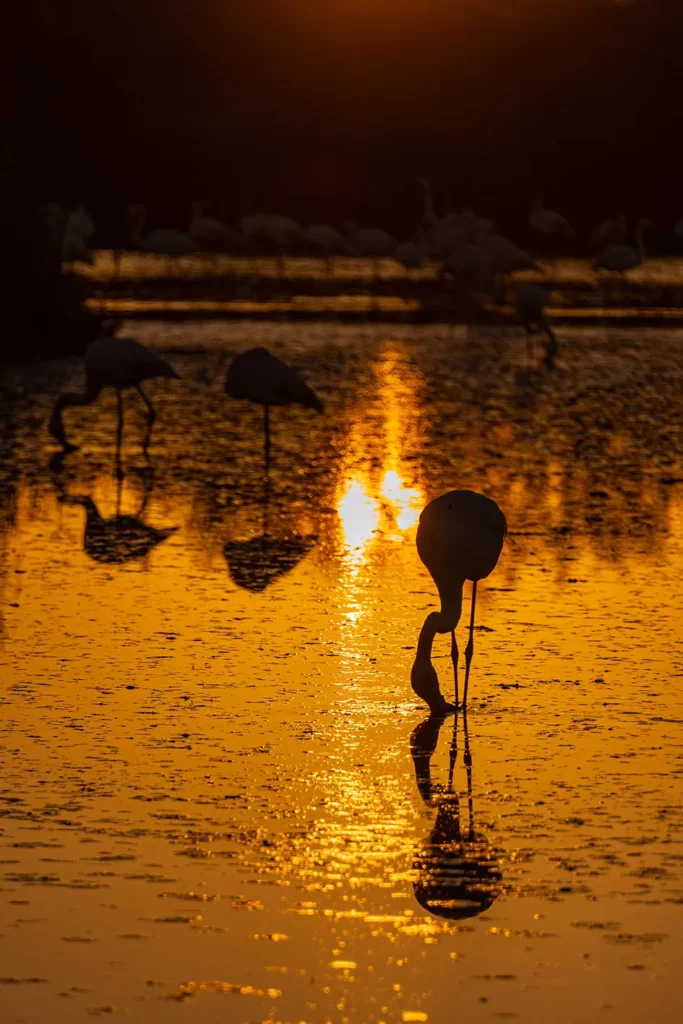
column 210, row 747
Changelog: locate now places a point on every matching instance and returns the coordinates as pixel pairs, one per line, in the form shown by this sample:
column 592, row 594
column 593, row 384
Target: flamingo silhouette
column 530, row 302
column 260, row 377
column 459, row 537
column 115, row 363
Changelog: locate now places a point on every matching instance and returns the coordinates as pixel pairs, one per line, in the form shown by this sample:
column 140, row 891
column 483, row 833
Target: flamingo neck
column 56, row 425
column 440, row 622
column 451, row 605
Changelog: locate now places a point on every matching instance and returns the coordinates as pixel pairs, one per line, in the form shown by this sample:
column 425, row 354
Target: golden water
column 208, row 794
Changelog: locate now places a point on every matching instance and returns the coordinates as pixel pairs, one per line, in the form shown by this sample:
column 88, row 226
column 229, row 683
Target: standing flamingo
column 530, row 302
column 619, row 257
column 260, row 377
column 161, row 241
column 117, row 363
column 459, row 537
column 547, row 224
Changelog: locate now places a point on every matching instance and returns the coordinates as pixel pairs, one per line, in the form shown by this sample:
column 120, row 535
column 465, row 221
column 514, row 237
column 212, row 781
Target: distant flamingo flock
column 465, row 244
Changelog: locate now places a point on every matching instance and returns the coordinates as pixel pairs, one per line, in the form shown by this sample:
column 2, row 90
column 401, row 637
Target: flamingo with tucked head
column 459, row 537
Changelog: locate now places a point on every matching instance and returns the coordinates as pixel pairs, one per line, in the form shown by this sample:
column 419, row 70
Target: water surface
column 217, row 787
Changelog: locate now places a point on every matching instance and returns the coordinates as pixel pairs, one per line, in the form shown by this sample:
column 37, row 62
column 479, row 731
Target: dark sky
column 328, row 108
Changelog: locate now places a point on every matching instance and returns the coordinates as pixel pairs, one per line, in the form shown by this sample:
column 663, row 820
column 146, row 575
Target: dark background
column 325, row 109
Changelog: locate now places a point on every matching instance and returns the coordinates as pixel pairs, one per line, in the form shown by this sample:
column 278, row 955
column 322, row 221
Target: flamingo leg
column 551, row 349
column 151, row 416
column 453, row 753
column 467, row 758
column 454, row 659
column 266, row 437
column 119, row 430
column 469, row 650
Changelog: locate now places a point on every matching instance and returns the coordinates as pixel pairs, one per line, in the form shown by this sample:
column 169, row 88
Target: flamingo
column 74, row 247
column 505, row 258
column 618, row 257
column 209, row 233
column 162, row 241
column 549, row 223
column 115, row 363
column 260, row 377
column 370, row 243
column 80, row 223
column 459, row 537
column 530, row 302
column 273, row 229
column 610, row 231
column 442, row 234
column 328, row 241
column 411, row 254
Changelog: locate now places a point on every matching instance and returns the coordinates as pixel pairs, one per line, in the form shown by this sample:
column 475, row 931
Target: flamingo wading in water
column 459, row 537
column 117, row 363
column 260, row 377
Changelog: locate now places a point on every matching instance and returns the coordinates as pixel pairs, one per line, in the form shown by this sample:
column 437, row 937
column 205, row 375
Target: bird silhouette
column 610, row 231
column 411, row 254
column 162, row 241
column 260, row 377
column 371, row 244
column 460, row 537
column 530, row 303
column 547, row 224
column 328, row 242
column 79, row 222
column 75, row 248
column 619, row 257
column 117, row 363
column 458, row 871
column 211, row 234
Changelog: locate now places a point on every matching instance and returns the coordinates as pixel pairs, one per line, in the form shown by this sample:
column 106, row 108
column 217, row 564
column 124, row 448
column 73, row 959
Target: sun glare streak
column 406, row 502
column 359, row 515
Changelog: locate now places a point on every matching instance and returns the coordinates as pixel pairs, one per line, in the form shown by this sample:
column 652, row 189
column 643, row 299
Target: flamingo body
column 161, row 241
column 79, row 222
column 411, row 255
column 74, row 247
column 460, row 537
column 259, row 376
column 618, row 258
column 550, row 223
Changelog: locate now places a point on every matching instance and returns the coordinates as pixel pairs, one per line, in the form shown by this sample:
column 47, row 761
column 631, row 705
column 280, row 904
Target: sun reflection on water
column 406, row 502
column 359, row 515
column 370, row 502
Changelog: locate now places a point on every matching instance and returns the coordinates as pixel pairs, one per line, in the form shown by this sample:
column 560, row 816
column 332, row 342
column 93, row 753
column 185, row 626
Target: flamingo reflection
column 256, row 563
column 458, row 873
column 119, row 538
